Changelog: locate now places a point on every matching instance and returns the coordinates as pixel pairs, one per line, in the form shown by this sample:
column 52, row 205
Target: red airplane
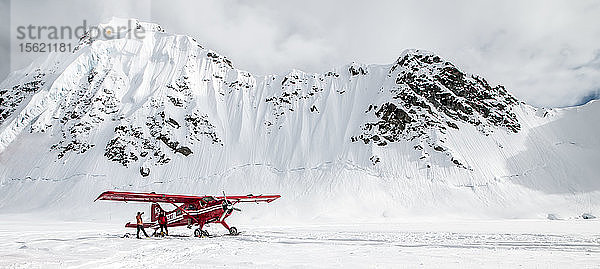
column 192, row 210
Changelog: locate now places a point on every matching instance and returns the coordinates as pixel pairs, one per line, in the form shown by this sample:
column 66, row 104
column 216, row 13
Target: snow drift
column 418, row 137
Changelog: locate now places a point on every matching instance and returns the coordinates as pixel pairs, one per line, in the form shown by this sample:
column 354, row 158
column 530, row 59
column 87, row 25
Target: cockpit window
column 207, row 199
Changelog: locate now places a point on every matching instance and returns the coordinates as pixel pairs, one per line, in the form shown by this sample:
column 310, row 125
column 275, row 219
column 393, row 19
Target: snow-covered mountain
column 418, row 136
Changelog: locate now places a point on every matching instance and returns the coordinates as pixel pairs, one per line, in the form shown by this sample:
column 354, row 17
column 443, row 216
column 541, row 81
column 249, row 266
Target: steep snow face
column 162, row 113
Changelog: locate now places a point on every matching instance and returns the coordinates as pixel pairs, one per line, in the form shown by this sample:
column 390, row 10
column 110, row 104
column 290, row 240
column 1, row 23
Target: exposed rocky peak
column 458, row 95
column 429, row 95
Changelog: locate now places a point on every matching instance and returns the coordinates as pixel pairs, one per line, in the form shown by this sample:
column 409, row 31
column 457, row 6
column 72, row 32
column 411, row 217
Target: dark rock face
column 144, row 171
column 184, row 150
column 218, row 59
column 356, row 70
column 154, row 143
column 11, row 98
column 200, row 127
column 294, row 88
column 243, row 83
column 426, row 81
column 430, row 94
column 374, row 159
column 162, row 135
column 389, row 128
column 118, row 148
column 91, row 105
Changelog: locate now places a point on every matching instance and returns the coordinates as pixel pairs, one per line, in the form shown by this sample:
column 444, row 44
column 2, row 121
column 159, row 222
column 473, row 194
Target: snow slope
column 418, row 137
column 456, row 244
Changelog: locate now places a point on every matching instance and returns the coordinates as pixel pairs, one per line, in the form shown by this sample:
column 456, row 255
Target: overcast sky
column 546, row 52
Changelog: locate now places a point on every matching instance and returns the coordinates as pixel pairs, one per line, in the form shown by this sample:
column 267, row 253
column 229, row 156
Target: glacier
column 416, row 138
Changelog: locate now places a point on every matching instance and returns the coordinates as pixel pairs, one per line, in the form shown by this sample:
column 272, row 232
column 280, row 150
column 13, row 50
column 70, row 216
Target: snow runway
column 450, row 244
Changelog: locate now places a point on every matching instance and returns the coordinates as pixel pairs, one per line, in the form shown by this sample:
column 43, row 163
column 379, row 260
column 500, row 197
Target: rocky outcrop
column 11, row 98
column 430, row 95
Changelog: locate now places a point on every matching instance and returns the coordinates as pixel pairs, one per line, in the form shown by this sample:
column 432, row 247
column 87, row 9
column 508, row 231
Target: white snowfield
column 423, row 244
column 164, row 114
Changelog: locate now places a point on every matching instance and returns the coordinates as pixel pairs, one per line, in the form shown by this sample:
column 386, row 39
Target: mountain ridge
column 142, row 112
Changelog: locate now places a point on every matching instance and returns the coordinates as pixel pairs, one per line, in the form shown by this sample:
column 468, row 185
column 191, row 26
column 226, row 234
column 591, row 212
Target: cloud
column 253, row 36
column 545, row 52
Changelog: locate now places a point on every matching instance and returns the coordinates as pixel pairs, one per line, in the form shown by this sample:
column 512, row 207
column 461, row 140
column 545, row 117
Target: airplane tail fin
column 156, row 210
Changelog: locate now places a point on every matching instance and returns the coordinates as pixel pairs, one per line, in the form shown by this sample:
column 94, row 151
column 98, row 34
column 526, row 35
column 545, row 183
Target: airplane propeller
column 227, row 207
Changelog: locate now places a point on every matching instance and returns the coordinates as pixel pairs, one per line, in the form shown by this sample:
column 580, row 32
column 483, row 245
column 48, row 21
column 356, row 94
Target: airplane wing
column 250, row 198
column 147, row 197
